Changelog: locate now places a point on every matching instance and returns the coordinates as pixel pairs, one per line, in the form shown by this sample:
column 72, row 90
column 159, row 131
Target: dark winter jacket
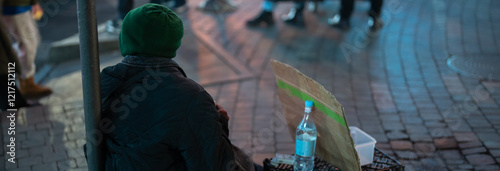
column 7, row 54
column 164, row 121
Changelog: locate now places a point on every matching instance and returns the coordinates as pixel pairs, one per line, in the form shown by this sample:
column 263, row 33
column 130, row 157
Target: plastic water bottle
column 305, row 141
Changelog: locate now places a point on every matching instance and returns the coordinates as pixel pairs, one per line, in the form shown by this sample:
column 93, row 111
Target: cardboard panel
column 334, row 143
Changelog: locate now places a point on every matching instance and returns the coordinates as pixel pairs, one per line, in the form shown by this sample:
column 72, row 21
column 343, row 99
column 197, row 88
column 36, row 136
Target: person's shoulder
column 107, row 72
column 113, row 71
column 186, row 84
column 107, row 69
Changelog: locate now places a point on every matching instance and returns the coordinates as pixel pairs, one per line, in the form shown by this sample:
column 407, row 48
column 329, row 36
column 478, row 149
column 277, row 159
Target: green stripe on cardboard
column 320, row 106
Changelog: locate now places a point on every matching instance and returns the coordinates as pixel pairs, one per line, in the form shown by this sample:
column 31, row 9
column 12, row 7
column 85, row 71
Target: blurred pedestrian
column 18, row 18
column 218, row 6
column 295, row 16
column 176, row 5
column 158, row 118
column 8, row 55
column 124, row 6
column 341, row 20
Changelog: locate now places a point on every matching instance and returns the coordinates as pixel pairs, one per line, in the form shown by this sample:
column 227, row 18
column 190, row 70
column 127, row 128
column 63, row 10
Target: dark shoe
column 338, row 22
column 375, row 23
column 114, row 26
column 263, row 18
column 295, row 16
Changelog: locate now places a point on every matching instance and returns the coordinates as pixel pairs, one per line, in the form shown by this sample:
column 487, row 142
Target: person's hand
column 221, row 111
column 37, row 11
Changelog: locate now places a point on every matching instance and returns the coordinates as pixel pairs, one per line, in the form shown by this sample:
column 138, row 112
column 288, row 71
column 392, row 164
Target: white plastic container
column 364, row 144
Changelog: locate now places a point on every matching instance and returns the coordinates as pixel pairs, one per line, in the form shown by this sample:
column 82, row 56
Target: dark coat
column 164, row 121
column 7, row 54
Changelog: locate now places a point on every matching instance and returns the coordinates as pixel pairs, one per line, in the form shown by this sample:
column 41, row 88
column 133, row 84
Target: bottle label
column 304, row 148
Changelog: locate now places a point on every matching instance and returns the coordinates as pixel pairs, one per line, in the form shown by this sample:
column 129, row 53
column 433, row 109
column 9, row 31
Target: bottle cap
column 309, row 103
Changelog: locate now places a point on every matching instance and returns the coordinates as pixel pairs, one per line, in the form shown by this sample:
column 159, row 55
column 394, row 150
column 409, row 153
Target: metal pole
column 89, row 57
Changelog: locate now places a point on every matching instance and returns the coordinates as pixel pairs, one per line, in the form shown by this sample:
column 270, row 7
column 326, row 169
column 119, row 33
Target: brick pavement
column 395, row 85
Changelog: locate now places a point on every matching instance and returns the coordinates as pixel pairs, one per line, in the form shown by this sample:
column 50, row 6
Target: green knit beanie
column 151, row 30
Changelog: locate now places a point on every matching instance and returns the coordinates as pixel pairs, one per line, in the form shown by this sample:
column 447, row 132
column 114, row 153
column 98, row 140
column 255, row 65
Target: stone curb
column 69, row 48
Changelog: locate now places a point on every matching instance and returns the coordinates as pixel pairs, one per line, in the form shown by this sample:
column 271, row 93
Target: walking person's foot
column 30, row 90
column 114, row 26
column 375, row 23
column 339, row 22
column 264, row 17
column 294, row 17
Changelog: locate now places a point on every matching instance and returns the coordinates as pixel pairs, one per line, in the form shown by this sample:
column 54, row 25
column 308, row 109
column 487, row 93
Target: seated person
column 160, row 119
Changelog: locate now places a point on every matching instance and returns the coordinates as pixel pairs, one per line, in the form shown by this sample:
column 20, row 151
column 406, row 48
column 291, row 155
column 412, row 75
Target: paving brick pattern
column 394, row 84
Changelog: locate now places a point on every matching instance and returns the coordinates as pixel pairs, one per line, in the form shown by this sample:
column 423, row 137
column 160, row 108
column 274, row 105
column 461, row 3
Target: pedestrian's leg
column 342, row 21
column 346, row 8
column 375, row 23
column 23, row 29
column 124, row 6
column 28, row 38
column 295, row 16
column 376, row 7
column 9, row 55
column 300, row 4
column 266, row 16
